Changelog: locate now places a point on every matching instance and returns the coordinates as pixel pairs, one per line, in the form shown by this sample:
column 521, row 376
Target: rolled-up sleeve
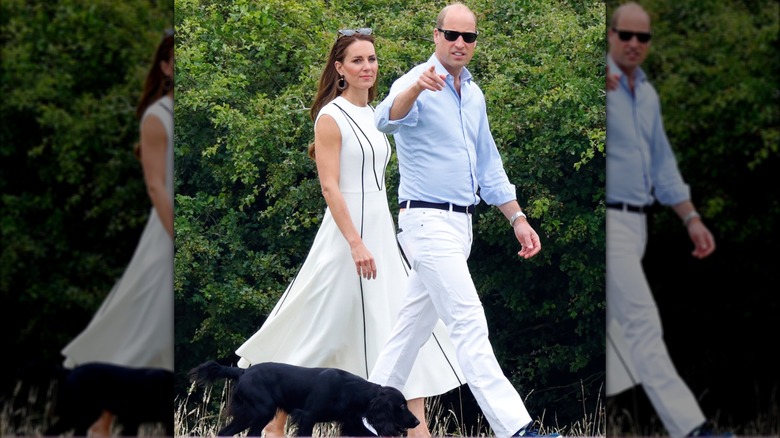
column 670, row 188
column 382, row 114
column 494, row 185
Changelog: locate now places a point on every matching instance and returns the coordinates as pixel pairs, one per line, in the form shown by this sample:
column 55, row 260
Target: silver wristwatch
column 515, row 216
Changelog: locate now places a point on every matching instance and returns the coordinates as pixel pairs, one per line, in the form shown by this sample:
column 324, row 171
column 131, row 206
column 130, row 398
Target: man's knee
column 469, row 322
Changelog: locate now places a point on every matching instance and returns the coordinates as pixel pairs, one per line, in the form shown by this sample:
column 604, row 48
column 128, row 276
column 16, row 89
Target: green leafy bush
column 248, row 202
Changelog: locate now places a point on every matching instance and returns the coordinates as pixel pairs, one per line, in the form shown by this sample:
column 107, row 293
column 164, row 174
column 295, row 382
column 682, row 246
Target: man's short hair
column 616, row 13
column 443, row 13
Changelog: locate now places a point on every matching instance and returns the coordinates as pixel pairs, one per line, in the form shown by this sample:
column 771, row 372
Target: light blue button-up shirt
column 445, row 149
column 641, row 166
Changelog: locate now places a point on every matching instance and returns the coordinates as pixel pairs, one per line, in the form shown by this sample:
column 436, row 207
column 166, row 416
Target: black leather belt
column 626, row 207
column 441, row 206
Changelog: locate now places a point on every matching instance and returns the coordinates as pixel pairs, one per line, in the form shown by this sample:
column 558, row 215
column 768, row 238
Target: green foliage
column 73, row 198
column 248, row 201
column 546, row 108
column 722, row 107
column 715, row 67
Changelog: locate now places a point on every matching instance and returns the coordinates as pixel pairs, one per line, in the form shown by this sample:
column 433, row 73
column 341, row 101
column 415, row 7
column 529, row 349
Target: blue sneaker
column 529, row 430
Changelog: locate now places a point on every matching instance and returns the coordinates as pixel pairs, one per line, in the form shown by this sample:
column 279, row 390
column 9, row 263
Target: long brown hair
column 327, row 89
column 156, row 84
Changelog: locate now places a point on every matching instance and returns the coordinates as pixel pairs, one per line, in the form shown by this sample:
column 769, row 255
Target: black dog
column 309, row 395
column 134, row 395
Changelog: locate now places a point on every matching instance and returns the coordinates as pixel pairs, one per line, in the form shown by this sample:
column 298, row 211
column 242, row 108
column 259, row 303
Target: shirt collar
column 639, row 74
column 465, row 74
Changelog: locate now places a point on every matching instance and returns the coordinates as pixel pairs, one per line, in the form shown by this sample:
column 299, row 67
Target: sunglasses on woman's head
column 626, row 35
column 452, row 35
column 350, row 32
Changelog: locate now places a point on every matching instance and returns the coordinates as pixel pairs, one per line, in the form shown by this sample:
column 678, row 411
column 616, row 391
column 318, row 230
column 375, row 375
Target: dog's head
column 388, row 413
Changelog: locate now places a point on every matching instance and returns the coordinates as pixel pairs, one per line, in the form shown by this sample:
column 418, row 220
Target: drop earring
column 167, row 84
column 342, row 83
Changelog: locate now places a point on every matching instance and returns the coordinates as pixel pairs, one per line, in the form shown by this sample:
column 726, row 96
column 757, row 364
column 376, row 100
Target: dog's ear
column 380, row 414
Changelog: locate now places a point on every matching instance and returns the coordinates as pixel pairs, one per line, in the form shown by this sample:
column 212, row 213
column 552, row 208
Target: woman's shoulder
column 164, row 103
column 333, row 105
column 332, row 108
column 162, row 108
column 346, row 109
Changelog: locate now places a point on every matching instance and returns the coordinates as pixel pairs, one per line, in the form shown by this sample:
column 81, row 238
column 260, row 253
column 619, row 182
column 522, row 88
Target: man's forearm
column 403, row 102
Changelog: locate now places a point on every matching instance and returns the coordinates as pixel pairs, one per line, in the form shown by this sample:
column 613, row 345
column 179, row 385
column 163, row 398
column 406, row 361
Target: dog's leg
column 130, row 428
column 83, row 416
column 261, row 418
column 305, row 423
column 255, row 421
column 355, row 428
column 233, row 428
column 256, row 429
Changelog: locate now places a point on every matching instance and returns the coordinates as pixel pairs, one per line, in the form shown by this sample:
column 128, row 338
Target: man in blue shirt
column 642, row 169
column 446, row 153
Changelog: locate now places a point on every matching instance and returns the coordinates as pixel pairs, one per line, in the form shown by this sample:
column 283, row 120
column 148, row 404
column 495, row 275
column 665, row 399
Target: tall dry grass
column 30, row 411
column 203, row 413
column 635, row 422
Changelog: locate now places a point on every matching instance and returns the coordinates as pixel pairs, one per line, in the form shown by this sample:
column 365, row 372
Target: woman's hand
column 364, row 261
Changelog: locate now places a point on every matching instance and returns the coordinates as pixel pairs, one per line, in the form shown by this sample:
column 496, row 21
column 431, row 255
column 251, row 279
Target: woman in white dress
column 134, row 325
column 340, row 308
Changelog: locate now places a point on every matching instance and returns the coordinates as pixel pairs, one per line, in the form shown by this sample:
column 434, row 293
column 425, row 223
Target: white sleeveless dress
column 134, row 325
column 331, row 317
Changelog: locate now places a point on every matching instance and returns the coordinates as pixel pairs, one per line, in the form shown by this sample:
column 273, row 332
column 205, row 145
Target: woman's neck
column 356, row 97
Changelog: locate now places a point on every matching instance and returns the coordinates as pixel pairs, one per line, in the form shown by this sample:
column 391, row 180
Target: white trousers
column 636, row 352
column 437, row 244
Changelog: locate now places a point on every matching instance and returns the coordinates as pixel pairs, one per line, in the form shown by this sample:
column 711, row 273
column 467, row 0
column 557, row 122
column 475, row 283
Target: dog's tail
column 210, row 371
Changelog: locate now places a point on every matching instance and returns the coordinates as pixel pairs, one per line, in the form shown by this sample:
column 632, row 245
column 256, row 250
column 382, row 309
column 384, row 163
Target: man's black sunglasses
column 626, row 35
column 452, row 35
column 350, row 32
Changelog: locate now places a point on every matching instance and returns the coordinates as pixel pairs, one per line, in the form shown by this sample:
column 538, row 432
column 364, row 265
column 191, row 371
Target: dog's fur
column 310, row 396
column 134, row 395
